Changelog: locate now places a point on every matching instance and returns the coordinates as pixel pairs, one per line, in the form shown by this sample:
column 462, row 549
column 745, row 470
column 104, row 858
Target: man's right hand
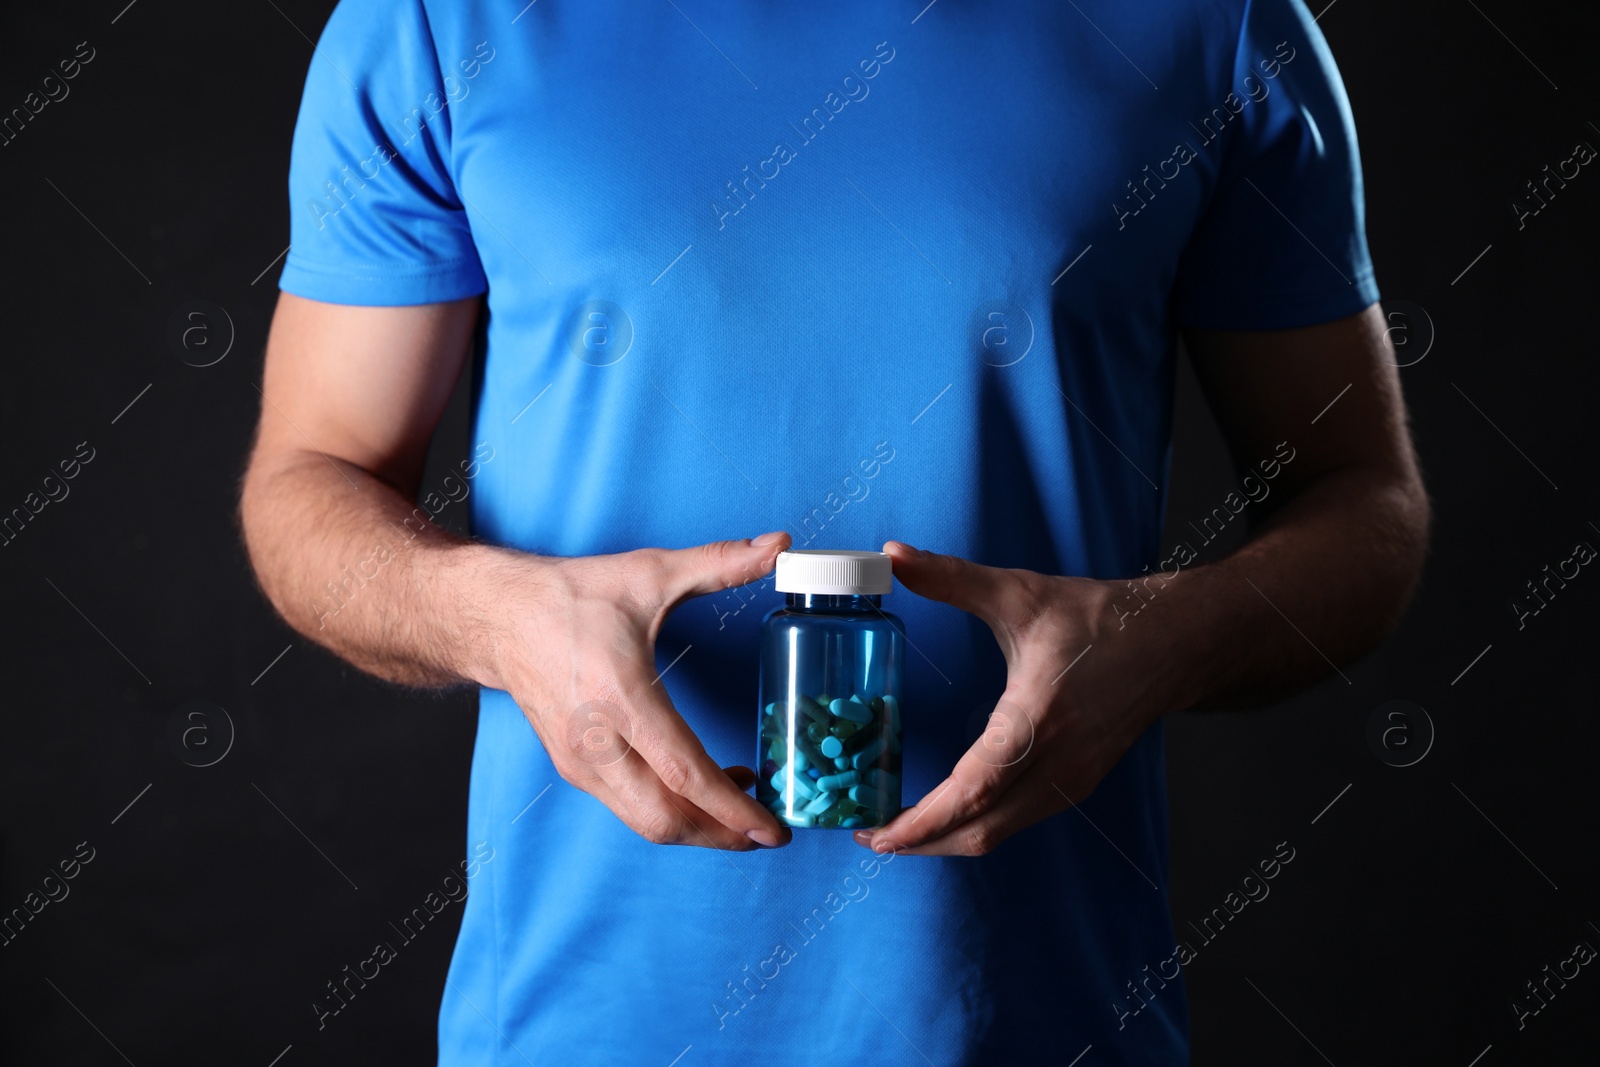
column 576, row 649
column 351, row 396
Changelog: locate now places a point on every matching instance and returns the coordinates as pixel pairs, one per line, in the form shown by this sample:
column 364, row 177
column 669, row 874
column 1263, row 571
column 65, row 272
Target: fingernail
column 864, row 837
column 907, row 549
column 763, row 838
column 767, row 538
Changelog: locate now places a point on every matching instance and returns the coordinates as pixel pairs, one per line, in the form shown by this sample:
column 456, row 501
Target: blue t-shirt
column 860, row 271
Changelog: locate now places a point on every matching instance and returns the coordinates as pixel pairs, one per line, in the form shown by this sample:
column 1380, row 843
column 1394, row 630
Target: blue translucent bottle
column 831, row 675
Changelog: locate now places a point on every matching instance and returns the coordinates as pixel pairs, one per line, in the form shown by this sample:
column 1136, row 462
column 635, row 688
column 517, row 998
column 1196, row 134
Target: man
column 847, row 273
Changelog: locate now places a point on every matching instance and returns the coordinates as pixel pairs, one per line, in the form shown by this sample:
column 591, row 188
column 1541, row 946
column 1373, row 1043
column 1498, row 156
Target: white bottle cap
column 809, row 570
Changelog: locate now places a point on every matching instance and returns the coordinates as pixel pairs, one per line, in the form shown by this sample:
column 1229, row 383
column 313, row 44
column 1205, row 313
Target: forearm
column 1319, row 584
column 353, row 565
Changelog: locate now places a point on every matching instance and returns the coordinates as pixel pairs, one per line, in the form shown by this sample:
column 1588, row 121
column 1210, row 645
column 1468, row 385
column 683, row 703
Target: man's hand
column 351, row 396
column 576, row 650
column 1078, row 693
column 1329, row 567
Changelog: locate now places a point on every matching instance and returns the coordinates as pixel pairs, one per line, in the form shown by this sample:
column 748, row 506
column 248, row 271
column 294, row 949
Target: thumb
column 719, row 565
column 972, row 587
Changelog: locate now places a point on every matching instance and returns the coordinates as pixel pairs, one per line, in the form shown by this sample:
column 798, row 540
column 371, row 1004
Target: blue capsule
column 869, row 797
column 852, row 709
column 869, row 754
column 819, row 803
column 842, row 780
column 880, row 779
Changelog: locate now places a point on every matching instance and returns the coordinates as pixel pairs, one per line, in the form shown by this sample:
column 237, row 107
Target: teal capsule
column 804, row 788
column 831, row 746
column 891, row 712
column 803, row 746
column 799, row 819
column 800, row 761
column 843, row 729
column 869, row 755
column 841, row 763
column 819, row 803
column 853, row 710
column 812, row 710
column 842, row 780
column 880, row 779
column 852, row 821
column 869, row 797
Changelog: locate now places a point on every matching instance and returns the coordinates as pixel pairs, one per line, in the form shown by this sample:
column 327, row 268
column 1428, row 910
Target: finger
column 960, row 583
column 719, row 565
column 743, row 777
column 656, row 814
column 679, row 760
column 980, row 781
column 1019, row 808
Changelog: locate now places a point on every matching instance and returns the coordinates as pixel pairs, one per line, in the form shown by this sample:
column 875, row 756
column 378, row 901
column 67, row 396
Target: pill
column 882, row 780
column 777, row 750
column 769, row 768
column 800, row 761
column 816, row 731
column 799, row 819
column 843, row 728
column 841, row 763
column 819, row 803
column 803, row 744
column 853, row 710
column 891, row 712
column 842, row 780
column 892, row 736
column 813, row 710
column 803, row 786
column 851, row 821
column 869, row 755
column 829, row 821
column 869, row 797
column 823, row 700
column 772, row 709
column 831, row 746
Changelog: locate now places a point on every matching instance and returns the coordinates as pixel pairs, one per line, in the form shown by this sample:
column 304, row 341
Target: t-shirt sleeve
column 1283, row 241
column 375, row 217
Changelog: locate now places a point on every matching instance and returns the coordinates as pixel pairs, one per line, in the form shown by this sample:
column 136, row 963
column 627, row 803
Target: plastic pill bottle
column 831, row 673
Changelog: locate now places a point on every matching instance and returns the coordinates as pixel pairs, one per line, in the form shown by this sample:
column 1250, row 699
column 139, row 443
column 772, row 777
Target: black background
column 1415, row 908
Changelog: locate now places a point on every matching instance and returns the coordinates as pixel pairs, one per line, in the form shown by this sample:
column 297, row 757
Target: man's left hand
column 1080, row 689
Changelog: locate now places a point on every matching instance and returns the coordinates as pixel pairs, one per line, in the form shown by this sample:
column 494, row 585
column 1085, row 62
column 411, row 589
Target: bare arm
column 351, row 396
column 1342, row 546
column 1091, row 664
